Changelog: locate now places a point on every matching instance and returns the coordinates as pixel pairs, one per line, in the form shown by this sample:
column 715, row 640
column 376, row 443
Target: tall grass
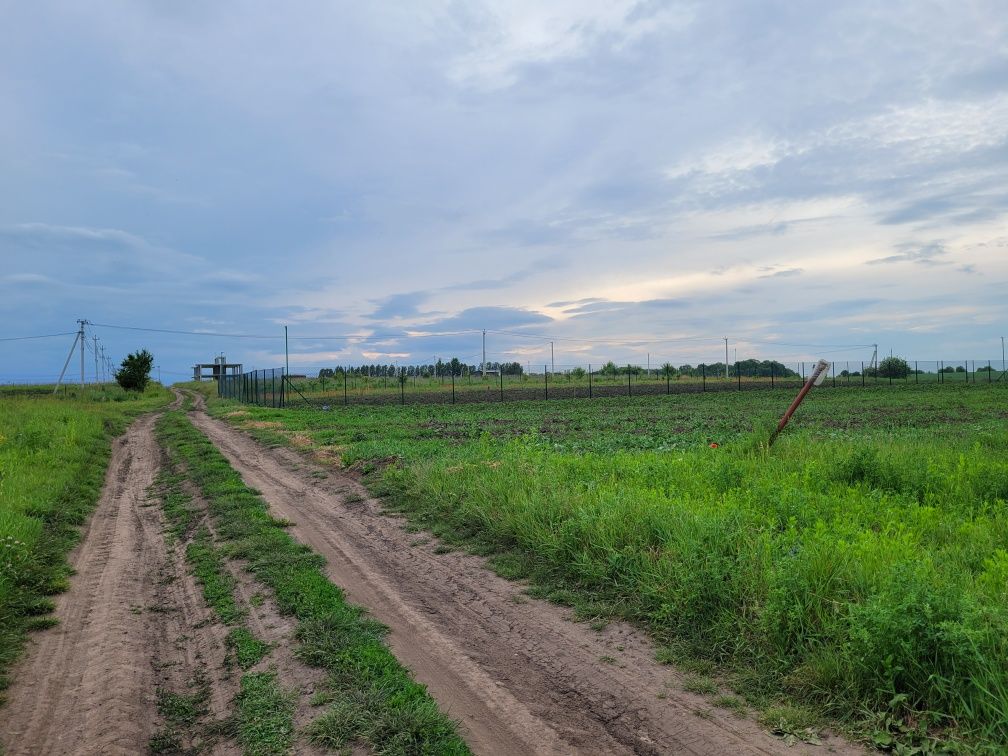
column 53, row 454
column 854, row 575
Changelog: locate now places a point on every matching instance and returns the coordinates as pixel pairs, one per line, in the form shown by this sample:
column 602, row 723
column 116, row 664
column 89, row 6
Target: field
column 853, row 573
column 53, row 455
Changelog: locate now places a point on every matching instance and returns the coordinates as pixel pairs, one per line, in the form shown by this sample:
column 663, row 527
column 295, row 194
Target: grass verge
column 376, row 700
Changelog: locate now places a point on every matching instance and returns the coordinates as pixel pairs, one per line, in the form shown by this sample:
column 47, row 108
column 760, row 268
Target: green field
column 857, row 572
column 53, row 455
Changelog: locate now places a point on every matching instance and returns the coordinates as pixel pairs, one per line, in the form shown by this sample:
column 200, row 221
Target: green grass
column 248, row 649
column 217, row 584
column 857, row 570
column 53, row 455
column 391, row 708
column 265, row 715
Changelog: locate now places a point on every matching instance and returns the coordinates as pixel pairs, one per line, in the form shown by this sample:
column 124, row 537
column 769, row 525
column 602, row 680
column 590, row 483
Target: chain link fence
column 375, row 385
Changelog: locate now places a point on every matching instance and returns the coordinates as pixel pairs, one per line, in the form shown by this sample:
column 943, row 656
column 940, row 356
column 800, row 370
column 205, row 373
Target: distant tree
column 960, row 369
column 667, row 370
column 984, row 369
column 326, row 373
column 135, row 371
column 455, row 366
column 609, row 369
column 578, row 372
column 947, row 369
column 893, row 367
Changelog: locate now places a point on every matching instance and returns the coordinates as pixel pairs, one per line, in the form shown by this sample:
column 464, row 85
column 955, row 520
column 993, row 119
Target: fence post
column 453, row 385
column 629, row 391
column 738, row 374
column 668, row 382
column 589, row 381
column 703, row 376
column 546, row 377
column 862, row 374
column 345, row 399
column 833, row 369
column 941, row 371
column 771, row 373
column 402, row 389
column 989, row 371
column 501, row 370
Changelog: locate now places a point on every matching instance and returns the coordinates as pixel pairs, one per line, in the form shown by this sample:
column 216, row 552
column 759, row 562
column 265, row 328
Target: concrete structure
column 220, row 366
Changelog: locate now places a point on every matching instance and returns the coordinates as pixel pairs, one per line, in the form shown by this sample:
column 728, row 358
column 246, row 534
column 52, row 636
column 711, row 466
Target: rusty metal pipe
column 817, row 376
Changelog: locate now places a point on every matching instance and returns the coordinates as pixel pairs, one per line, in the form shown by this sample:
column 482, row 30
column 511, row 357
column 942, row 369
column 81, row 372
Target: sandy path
column 519, row 676
column 132, row 620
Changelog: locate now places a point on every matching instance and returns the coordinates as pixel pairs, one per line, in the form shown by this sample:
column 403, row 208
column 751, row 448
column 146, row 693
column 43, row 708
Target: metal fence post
column 738, row 374
column 989, row 371
column 501, row 370
column 589, row 381
column 862, row 374
column 703, row 377
column 546, row 376
column 453, row 385
column 345, row 399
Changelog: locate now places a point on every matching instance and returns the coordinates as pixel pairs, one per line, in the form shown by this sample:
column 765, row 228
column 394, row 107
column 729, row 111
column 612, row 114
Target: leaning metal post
column 817, row 377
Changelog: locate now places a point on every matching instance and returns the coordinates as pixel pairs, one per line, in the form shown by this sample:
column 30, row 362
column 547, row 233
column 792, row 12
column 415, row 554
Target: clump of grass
column 704, row 686
column 265, row 715
column 248, row 650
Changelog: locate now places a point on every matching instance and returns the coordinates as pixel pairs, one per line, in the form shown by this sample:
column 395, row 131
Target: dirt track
column 519, row 676
column 133, row 620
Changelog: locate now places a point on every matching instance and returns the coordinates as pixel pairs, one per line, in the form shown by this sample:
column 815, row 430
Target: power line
column 44, row 336
column 186, row 333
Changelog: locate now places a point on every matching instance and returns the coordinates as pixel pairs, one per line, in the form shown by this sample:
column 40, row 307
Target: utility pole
column 81, row 335
column 483, row 370
column 726, row 358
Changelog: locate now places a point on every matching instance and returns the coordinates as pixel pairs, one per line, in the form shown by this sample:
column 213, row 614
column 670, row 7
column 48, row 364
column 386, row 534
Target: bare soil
column 132, row 622
column 517, row 673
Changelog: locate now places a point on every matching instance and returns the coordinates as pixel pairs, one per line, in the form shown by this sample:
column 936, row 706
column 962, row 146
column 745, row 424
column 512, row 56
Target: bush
column 135, row 371
column 893, row 367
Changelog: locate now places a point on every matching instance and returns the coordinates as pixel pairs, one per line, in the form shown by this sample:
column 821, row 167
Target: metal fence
column 377, row 385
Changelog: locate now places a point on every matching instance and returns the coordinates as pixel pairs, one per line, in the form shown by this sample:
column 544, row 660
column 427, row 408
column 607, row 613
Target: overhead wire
column 43, row 336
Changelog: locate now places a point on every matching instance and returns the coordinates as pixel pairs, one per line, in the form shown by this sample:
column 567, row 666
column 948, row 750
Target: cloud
column 783, row 273
column 399, row 306
column 926, row 254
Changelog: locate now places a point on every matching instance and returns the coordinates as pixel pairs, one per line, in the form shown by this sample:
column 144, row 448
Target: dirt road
column 520, row 677
column 133, row 620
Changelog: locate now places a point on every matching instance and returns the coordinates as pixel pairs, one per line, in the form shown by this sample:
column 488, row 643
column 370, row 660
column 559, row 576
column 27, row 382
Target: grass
column 265, row 715
column 390, row 710
column 53, row 456
column 857, row 570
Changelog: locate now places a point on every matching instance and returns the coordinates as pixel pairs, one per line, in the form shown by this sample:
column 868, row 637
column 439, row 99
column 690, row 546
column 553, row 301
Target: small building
column 220, row 366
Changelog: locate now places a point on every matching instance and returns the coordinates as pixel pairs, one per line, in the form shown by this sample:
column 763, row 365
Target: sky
column 632, row 181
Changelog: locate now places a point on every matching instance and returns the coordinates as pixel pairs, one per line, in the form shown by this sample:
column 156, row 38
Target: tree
column 326, row 373
column 135, row 371
column 893, row 367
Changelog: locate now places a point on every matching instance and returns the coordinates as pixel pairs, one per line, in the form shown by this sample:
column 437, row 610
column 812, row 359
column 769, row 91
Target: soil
column 133, row 621
column 517, row 673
